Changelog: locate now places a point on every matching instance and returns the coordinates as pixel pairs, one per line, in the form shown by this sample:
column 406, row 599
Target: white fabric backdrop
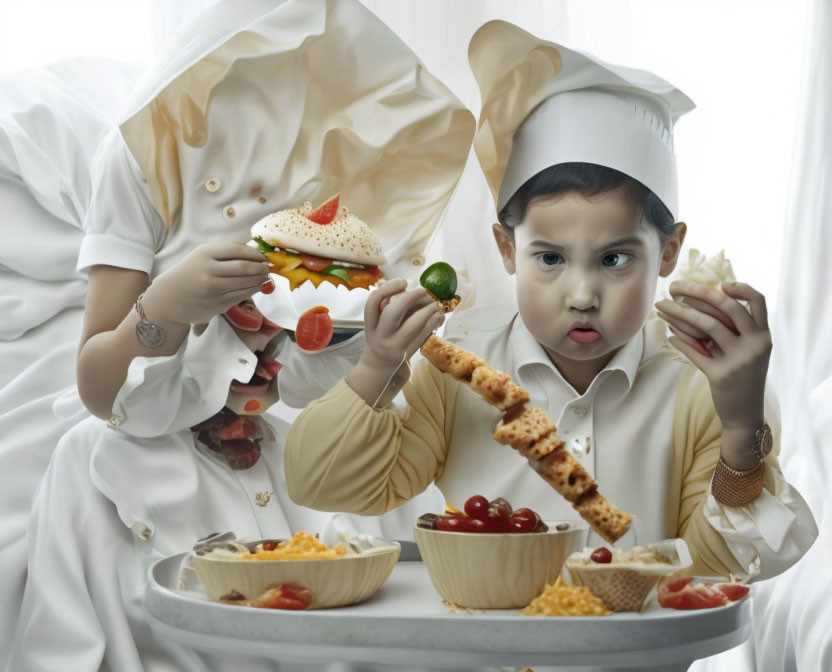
column 741, row 62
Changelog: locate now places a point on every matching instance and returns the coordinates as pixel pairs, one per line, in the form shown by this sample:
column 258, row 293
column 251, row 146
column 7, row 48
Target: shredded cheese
column 561, row 599
column 303, row 546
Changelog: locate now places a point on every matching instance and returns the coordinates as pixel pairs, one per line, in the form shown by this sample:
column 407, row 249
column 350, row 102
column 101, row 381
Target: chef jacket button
column 242, row 360
column 115, row 422
column 579, row 411
column 212, row 184
column 142, row 531
column 262, row 199
column 418, row 261
column 229, row 212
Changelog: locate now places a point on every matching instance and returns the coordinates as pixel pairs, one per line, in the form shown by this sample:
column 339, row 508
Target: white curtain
column 742, row 63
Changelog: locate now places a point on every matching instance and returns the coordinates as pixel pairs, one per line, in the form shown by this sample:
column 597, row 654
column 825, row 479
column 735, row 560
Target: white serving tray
column 406, row 622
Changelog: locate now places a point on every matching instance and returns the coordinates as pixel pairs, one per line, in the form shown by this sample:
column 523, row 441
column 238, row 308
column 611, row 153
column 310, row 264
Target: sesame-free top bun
column 346, row 238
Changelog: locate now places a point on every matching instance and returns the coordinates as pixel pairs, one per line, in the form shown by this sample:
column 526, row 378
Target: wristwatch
column 150, row 335
column 762, row 442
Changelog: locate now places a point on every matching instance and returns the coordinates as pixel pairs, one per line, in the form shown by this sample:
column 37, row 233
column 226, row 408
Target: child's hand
column 730, row 344
column 397, row 322
column 208, row 281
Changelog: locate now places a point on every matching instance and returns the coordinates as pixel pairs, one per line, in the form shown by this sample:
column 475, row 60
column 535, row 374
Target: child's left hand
column 730, row 344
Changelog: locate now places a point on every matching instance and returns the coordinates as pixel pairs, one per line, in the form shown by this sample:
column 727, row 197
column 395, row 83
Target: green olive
column 440, row 280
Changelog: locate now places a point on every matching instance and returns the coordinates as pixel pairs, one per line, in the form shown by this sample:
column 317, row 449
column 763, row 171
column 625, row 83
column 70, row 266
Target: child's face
column 586, row 273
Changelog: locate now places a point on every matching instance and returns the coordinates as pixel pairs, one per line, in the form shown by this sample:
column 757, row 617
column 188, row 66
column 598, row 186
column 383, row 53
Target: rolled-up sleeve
column 341, row 455
column 166, row 394
column 759, row 540
column 121, row 228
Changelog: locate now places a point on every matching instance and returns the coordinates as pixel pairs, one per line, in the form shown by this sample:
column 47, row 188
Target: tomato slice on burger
column 325, row 214
column 245, row 315
column 315, row 263
column 314, row 330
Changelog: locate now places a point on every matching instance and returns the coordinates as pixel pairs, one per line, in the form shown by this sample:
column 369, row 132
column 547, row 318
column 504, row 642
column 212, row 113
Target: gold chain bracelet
column 737, row 488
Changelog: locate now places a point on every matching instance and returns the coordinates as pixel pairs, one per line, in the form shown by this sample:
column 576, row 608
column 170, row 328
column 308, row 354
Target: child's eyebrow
column 618, row 242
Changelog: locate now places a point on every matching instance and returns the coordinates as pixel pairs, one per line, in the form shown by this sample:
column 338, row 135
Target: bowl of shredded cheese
column 345, row 573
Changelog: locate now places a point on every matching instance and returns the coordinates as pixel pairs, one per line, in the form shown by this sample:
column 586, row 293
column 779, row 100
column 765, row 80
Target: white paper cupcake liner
column 346, row 306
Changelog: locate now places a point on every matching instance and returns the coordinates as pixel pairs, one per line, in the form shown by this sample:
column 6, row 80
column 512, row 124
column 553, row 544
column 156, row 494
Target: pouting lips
column 256, row 386
column 582, row 335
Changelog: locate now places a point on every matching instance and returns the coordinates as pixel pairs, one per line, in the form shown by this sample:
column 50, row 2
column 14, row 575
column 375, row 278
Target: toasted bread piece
column 450, row 358
column 607, row 520
column 528, row 427
column 448, row 305
column 565, row 474
column 498, row 389
column 543, row 447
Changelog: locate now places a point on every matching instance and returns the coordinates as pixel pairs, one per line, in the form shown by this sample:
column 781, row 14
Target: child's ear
column 672, row 247
column 505, row 243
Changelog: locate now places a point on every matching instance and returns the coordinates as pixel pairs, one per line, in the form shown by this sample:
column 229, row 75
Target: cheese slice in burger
column 327, row 244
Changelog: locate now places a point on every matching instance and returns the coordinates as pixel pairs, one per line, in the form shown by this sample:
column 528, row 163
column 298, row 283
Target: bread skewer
column 531, row 432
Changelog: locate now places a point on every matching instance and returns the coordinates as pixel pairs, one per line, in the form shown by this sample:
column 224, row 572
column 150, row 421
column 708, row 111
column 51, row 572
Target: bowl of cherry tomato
column 491, row 556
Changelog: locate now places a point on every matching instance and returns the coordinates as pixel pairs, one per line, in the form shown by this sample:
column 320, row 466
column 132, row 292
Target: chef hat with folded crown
column 355, row 113
column 544, row 104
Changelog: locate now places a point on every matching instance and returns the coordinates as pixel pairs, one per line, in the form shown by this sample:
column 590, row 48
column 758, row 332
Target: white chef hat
column 357, row 113
column 544, row 104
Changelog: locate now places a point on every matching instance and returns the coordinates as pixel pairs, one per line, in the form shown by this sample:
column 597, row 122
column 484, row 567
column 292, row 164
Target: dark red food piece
column 267, row 287
column 269, row 545
column 456, row 523
column 476, row 507
column 245, row 316
column 601, row 555
column 314, row 263
column 523, row 520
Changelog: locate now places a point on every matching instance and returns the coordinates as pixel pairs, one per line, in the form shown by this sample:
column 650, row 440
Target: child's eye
column 616, row 260
column 548, row 259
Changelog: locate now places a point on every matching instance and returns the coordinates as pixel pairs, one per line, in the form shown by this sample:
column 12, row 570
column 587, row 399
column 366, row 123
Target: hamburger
column 326, row 244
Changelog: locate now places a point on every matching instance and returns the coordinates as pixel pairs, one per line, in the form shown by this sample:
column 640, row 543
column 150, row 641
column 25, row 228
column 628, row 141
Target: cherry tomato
column 476, row 507
column 314, row 330
column 245, row 316
column 522, row 523
column 601, row 555
column 267, row 287
column 315, row 263
column 454, row 523
column 269, row 545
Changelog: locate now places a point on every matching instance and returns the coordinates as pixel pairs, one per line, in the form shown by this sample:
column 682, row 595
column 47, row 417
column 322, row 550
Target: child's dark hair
column 586, row 179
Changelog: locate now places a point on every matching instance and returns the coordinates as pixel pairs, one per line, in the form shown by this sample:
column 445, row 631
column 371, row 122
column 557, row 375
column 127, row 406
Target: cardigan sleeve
column 342, row 455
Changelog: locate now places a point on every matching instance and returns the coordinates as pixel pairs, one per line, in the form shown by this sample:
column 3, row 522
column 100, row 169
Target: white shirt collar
column 528, row 353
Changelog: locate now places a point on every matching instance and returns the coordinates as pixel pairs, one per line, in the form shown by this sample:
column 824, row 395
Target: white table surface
column 407, row 622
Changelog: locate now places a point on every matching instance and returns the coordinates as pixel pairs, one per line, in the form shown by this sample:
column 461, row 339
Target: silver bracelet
column 150, row 335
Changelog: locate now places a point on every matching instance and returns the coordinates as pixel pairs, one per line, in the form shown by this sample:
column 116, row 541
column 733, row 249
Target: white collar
column 528, row 352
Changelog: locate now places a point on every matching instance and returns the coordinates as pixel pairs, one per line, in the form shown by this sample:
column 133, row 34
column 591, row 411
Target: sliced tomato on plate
column 245, row 315
column 683, row 593
column 314, row 330
column 325, row 214
column 315, row 263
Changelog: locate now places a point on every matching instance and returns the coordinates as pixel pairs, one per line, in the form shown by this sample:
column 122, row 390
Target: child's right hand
column 397, row 321
column 205, row 283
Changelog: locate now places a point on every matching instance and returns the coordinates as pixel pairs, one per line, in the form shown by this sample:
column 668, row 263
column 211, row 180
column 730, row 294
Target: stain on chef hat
column 544, row 104
column 355, row 113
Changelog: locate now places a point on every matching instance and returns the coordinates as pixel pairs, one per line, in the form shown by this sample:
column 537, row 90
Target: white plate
column 406, row 623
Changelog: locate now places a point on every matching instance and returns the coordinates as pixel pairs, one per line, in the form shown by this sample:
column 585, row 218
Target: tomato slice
column 314, row 330
column 325, row 214
column 315, row 263
column 245, row 315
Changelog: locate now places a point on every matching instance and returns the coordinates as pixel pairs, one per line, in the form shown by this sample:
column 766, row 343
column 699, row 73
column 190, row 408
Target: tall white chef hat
column 544, row 104
column 356, row 113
